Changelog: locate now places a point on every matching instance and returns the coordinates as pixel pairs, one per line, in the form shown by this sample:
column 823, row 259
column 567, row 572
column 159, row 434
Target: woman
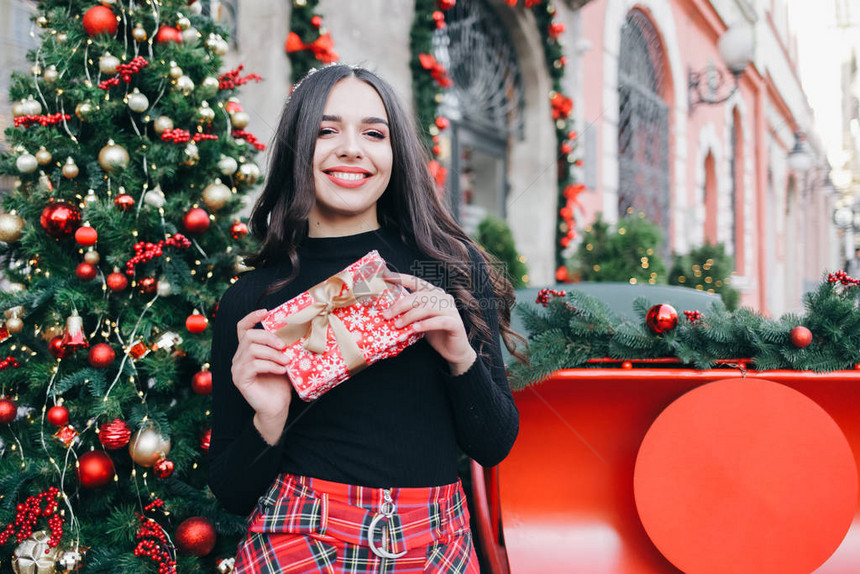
column 364, row 479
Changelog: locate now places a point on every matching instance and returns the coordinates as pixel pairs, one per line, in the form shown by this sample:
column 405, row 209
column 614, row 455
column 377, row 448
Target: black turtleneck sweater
column 398, row 423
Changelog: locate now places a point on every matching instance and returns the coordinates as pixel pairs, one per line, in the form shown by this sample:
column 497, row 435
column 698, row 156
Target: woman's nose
column 350, row 145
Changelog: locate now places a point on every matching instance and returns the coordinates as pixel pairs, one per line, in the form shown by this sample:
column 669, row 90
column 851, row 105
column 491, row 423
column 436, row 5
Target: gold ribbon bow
column 313, row 321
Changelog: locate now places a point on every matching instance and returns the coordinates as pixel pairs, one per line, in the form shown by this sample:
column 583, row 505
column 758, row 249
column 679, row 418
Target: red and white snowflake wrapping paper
column 313, row 374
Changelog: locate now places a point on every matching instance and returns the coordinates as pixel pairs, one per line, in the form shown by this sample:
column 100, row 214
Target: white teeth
column 347, row 176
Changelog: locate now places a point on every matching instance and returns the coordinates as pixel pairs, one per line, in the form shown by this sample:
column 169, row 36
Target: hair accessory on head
column 313, row 71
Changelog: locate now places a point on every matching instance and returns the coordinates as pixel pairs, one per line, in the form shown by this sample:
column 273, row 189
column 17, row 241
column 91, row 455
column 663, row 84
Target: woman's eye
column 375, row 134
column 326, row 131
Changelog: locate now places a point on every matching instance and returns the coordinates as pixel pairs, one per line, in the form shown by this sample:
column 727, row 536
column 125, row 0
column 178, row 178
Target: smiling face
column 352, row 161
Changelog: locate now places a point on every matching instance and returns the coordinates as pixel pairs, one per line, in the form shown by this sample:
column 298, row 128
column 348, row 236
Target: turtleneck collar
column 347, row 246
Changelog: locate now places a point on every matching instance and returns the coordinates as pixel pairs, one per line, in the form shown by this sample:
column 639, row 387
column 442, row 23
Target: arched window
column 643, row 124
column 484, row 107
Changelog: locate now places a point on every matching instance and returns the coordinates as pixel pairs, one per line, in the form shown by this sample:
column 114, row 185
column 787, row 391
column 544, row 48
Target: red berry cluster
column 231, row 79
column 152, row 541
column 439, row 18
column 29, row 120
column 693, row 316
column 844, row 278
column 447, row 4
column 198, row 136
column 147, row 251
column 250, row 138
column 9, row 362
column 543, row 296
column 555, row 30
column 176, row 136
column 125, row 71
column 28, row 514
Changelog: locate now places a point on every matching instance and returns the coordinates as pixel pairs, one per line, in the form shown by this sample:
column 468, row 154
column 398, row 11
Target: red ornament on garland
column 163, row 468
column 195, row 535
column 800, row 337
column 124, row 202
column 196, row 323
column 86, row 272
column 661, row 318
column 115, row 434
column 56, row 348
column 101, row 355
column 100, row 20
column 60, row 219
column 95, row 469
column 238, row 230
column 74, row 338
column 8, row 410
column 168, row 34
column 205, row 439
column 201, row 382
column 196, row 221
column 117, row 282
column 147, row 284
column 58, row 415
column 86, row 236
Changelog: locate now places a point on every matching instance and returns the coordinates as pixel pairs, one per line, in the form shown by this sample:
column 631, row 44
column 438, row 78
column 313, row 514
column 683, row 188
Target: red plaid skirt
column 310, row 525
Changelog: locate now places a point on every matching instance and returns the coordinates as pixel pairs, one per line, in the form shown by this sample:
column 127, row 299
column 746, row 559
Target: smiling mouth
column 347, row 176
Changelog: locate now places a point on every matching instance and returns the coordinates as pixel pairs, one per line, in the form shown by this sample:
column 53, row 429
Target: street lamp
column 800, row 157
column 736, row 48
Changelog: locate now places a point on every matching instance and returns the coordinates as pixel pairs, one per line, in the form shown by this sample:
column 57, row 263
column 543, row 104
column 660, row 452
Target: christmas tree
column 118, row 239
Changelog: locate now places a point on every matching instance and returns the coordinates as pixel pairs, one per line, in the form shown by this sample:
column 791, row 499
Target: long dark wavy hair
column 409, row 206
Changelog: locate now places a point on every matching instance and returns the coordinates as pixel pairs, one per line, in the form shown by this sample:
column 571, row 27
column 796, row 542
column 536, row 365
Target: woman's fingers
column 247, row 322
column 262, row 338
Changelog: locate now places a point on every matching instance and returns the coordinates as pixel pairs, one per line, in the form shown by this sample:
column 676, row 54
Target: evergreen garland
column 309, row 44
column 575, row 330
column 495, row 236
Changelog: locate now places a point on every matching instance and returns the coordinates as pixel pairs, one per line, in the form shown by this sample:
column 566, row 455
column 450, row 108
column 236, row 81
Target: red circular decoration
column 627, row 365
column 114, row 434
column 86, row 235
column 56, row 348
column 100, row 20
column 117, row 282
column 60, row 219
column 163, row 468
column 124, row 202
column 800, row 337
column 147, row 284
column 8, row 410
column 168, row 34
column 205, row 439
column 747, row 473
column 95, row 469
column 196, row 323
column 238, row 230
column 101, row 355
column 661, row 318
column 196, row 536
column 233, row 106
column 196, row 221
column 86, row 272
column 58, row 416
column 201, row 383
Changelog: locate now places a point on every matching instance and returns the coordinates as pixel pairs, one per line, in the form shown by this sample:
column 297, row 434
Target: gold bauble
column 34, row 556
column 192, row 154
column 84, row 111
column 216, row 195
column 42, row 22
column 15, row 311
column 139, row 33
column 163, row 288
column 190, row 36
column 92, row 257
column 108, row 64
column 227, row 165
column 32, row 106
column 11, row 227
column 14, row 325
column 148, row 446
column 162, row 124
column 175, row 70
column 51, row 74
column 27, row 163
column 113, row 157
column 240, row 120
column 208, row 87
column 154, row 197
column 221, row 47
column 18, row 109
column 137, row 102
column 70, row 169
column 248, row 173
column 205, row 114
column 70, row 560
column 62, row 37
column 43, row 156
column 183, row 23
column 184, row 85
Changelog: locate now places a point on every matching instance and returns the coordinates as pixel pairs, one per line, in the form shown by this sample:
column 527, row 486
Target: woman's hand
column 259, row 372
column 432, row 311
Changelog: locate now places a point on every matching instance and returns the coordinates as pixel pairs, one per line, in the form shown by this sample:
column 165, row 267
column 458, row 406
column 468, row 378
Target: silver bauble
column 108, row 64
column 208, row 87
column 248, row 173
column 34, row 556
column 138, row 102
column 216, row 195
column 190, row 36
column 183, row 23
column 70, row 169
column 196, row 9
column 148, row 446
column 164, row 288
column 113, row 157
column 19, row 109
column 205, row 114
column 139, row 33
column 192, row 154
column 162, row 124
column 84, row 111
column 43, row 156
column 62, row 37
column 51, row 74
column 70, row 560
column 240, row 120
column 185, row 85
column 221, row 48
column 26, row 163
column 32, row 106
column 175, row 71
column 227, row 165
column 154, row 197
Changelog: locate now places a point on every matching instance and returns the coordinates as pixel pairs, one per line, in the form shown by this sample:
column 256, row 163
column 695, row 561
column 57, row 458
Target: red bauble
column 100, row 20
column 60, row 219
column 195, row 535
column 801, row 337
column 238, row 230
column 86, row 272
column 115, row 434
column 124, row 202
column 661, row 318
column 56, row 348
column 627, row 365
column 117, row 281
column 147, row 284
column 95, row 469
column 201, row 383
column 205, row 440
column 233, row 106
column 168, row 34
column 86, row 235
column 101, row 355
column 8, row 410
column 196, row 221
column 196, row 323
column 58, row 416
column 163, row 468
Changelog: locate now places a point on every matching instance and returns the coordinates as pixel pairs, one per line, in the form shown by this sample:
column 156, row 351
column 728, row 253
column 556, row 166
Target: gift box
column 336, row 328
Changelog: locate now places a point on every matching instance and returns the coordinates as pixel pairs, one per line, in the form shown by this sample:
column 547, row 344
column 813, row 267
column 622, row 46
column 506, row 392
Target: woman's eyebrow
column 368, row 120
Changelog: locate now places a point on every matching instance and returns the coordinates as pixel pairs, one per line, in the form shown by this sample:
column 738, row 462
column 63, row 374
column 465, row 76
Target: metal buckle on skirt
column 386, row 510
